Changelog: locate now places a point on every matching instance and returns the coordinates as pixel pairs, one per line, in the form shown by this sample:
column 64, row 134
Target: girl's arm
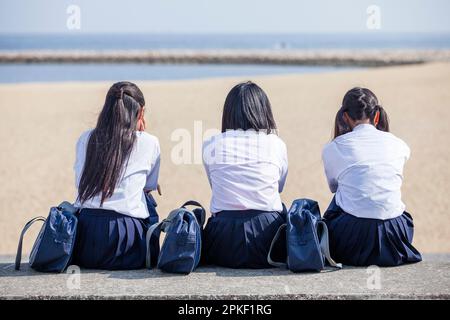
column 332, row 182
column 207, row 159
column 284, row 170
column 207, row 173
column 80, row 155
column 330, row 168
column 152, row 178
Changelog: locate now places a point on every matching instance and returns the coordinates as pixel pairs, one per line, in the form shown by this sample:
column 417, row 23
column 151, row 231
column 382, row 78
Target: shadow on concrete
column 7, row 270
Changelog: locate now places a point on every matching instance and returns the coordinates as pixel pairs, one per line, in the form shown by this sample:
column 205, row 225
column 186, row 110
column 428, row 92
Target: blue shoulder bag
column 182, row 245
column 307, row 239
column 52, row 250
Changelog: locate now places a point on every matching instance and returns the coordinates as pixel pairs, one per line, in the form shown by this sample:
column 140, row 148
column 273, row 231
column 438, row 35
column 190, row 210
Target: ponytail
column 383, row 122
column 340, row 127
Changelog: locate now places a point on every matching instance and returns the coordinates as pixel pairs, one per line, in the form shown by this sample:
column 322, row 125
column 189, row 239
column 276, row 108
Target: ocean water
column 13, row 73
column 16, row 73
column 78, row 41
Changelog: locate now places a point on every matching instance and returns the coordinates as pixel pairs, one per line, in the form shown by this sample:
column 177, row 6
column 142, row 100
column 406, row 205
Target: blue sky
column 223, row 16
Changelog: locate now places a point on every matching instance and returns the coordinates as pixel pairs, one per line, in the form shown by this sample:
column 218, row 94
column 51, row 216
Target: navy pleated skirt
column 112, row 241
column 241, row 239
column 364, row 242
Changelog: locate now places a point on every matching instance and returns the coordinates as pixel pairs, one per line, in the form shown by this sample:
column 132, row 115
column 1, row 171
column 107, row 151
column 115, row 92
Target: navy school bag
column 306, row 239
column 52, row 250
column 182, row 245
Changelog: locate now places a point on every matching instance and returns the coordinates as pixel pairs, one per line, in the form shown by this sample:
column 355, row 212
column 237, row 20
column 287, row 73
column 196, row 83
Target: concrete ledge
column 426, row 280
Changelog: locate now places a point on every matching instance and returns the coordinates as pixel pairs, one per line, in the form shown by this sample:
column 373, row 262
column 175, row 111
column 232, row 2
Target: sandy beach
column 40, row 123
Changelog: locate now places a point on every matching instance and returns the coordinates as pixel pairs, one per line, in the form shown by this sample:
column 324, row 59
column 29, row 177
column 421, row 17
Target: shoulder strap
column 325, row 246
column 19, row 247
column 274, row 240
column 197, row 204
column 192, row 203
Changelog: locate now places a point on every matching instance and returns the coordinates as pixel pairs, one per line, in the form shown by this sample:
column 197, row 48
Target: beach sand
column 40, row 123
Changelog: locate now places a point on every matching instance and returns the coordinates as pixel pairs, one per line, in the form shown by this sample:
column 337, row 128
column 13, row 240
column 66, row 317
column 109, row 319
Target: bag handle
column 22, row 234
column 67, row 207
column 197, row 204
column 325, row 246
column 274, row 240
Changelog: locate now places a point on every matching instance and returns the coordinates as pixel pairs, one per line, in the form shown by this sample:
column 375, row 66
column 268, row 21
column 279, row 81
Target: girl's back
column 246, row 169
column 365, row 167
column 140, row 173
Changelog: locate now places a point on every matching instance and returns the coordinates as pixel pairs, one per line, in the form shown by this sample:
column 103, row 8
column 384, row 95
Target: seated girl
column 117, row 164
column 366, row 219
column 247, row 167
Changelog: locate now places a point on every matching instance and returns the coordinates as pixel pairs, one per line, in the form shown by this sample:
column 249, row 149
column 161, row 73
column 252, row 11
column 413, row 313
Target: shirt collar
column 240, row 132
column 364, row 126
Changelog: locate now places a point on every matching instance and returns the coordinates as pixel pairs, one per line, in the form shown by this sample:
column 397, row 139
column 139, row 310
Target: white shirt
column 365, row 170
column 246, row 170
column 141, row 173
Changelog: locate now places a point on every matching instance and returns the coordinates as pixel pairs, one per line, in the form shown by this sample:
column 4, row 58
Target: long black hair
column 360, row 104
column 248, row 107
column 111, row 142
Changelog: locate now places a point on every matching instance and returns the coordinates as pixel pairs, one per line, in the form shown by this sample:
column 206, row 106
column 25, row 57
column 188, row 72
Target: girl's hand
column 158, row 188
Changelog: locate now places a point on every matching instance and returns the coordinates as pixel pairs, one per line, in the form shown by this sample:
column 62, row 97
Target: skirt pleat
column 363, row 242
column 109, row 240
column 241, row 239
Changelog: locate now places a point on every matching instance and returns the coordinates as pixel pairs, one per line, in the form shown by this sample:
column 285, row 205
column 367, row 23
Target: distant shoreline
column 322, row 57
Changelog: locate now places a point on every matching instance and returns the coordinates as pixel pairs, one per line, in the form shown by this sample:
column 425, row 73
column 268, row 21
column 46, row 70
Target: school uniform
column 112, row 236
column 367, row 221
column 247, row 171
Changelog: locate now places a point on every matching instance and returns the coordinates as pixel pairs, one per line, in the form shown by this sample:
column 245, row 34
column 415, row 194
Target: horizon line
column 365, row 32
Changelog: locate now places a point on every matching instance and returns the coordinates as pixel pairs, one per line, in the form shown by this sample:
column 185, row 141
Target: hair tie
column 377, row 108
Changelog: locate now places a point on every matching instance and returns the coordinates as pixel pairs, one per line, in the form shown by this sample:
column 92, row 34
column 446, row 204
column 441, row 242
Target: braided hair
column 360, row 104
